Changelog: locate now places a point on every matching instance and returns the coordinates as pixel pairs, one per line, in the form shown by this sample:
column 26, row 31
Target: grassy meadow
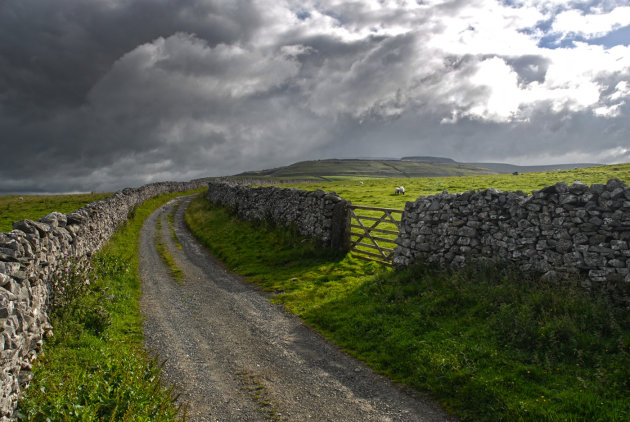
column 380, row 192
column 489, row 343
column 34, row 207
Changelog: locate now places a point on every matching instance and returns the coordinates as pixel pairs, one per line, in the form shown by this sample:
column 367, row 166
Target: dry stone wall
column 559, row 230
column 29, row 254
column 318, row 214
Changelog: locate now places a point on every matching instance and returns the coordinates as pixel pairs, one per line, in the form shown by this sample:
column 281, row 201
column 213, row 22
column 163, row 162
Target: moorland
column 407, row 167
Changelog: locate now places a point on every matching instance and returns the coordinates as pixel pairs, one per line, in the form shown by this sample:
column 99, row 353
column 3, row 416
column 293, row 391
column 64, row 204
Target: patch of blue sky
column 619, row 36
column 556, row 40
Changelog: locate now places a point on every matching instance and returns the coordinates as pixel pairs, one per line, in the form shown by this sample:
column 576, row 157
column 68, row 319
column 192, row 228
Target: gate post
column 340, row 226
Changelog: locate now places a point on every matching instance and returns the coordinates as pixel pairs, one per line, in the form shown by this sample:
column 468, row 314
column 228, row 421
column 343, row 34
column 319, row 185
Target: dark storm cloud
column 53, row 55
column 529, row 68
column 473, row 140
column 105, row 94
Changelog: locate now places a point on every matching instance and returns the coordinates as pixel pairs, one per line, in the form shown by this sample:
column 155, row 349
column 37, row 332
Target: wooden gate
column 364, row 222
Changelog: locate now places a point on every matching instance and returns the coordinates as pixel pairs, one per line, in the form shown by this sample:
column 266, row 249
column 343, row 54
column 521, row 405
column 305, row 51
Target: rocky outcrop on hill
column 30, row 254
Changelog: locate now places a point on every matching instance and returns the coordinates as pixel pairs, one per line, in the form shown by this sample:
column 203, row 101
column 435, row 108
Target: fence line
column 364, row 237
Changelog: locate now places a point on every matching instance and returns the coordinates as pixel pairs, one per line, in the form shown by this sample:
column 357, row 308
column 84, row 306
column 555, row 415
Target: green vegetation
column 260, row 395
column 334, row 169
column 170, row 217
column 95, row 367
column 166, row 256
column 353, row 169
column 488, row 342
column 35, row 207
column 380, row 192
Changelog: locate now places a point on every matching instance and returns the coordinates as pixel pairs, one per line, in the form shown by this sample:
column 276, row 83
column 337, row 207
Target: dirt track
column 237, row 357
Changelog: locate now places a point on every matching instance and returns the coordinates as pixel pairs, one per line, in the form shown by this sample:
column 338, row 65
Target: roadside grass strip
column 95, row 367
column 170, row 217
column 490, row 343
column 167, row 258
column 259, row 393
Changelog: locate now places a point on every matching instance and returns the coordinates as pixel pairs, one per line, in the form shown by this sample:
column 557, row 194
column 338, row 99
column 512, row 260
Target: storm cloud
column 99, row 95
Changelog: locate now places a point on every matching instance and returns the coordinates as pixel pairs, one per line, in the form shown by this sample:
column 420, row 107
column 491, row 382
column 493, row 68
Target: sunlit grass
column 162, row 249
column 34, row 207
column 380, row 192
column 489, row 343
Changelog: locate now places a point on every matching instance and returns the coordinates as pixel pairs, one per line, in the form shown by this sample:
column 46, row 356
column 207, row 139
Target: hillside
column 503, row 168
column 417, row 166
column 340, row 169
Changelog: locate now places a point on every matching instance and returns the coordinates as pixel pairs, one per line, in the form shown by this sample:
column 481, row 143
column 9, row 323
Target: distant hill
column 511, row 168
column 414, row 166
column 337, row 169
column 427, row 159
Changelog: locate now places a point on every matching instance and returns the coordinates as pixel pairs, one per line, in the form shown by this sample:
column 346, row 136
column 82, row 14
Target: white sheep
column 400, row 190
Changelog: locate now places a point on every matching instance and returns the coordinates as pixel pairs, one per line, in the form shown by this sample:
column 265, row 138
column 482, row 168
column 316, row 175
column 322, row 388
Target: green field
column 380, row 192
column 34, row 207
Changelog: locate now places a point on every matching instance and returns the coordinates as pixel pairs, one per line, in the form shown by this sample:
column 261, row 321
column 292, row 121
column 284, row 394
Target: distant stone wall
column 559, row 230
column 261, row 182
column 318, row 214
column 29, row 254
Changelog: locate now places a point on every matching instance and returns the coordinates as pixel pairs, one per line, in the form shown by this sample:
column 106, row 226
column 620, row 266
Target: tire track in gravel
column 234, row 356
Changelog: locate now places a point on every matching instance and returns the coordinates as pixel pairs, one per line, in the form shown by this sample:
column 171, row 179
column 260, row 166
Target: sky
column 104, row 94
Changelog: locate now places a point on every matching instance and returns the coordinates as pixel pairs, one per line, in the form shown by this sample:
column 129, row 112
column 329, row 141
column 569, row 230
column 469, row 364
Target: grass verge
column 491, row 344
column 95, row 367
column 167, row 258
column 170, row 218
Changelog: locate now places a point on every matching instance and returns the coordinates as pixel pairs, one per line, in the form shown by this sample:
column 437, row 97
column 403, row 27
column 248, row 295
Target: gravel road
column 234, row 356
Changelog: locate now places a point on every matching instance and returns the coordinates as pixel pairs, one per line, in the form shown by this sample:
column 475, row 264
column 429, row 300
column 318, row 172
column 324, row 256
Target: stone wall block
column 317, row 214
column 568, row 229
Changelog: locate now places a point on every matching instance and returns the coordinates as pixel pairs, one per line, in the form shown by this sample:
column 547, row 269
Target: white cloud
column 591, row 25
